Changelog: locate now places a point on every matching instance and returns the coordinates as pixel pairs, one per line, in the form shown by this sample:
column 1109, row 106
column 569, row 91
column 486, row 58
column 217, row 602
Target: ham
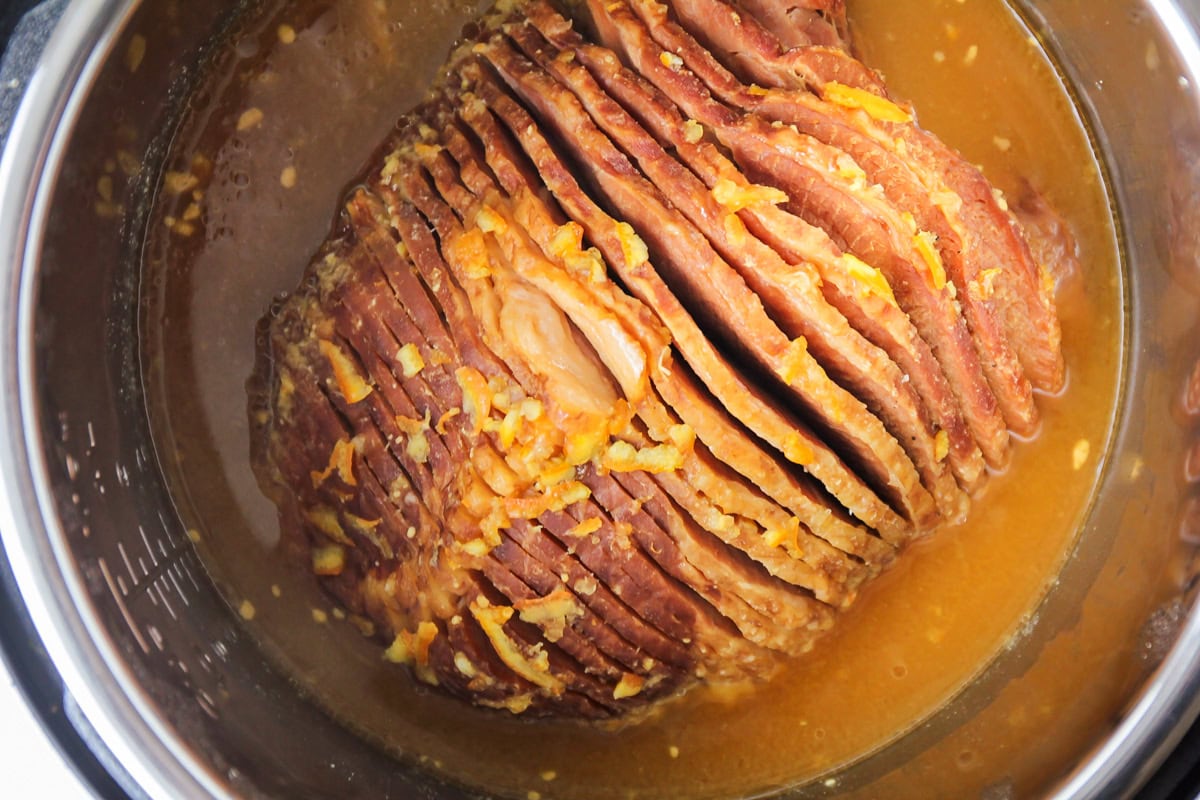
column 634, row 358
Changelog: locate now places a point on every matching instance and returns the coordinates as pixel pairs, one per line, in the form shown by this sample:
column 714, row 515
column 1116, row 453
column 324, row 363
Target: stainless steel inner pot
column 185, row 700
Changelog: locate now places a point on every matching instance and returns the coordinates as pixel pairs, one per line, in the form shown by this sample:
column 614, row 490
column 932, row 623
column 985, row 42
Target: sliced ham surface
column 633, row 358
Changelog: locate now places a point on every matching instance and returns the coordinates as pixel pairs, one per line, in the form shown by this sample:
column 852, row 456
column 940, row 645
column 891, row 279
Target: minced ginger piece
column 553, row 473
column 926, row 244
column 849, row 170
column 671, row 61
column 1080, row 453
column 250, row 118
column 350, row 383
column 418, row 443
column 464, row 665
column 506, row 428
column 735, row 230
column 734, row 197
column 630, row 685
column 682, row 436
column 798, row 451
column 534, row 668
column 470, row 249
column 984, row 286
column 552, row 613
column 410, row 360
column 341, row 461
column 477, row 398
column 567, row 246
column 567, row 238
column 440, row 425
column 325, row 520
column 585, row 528
column 556, row 498
column 941, row 445
column 632, row 246
column 624, row 457
column 488, row 220
column 877, row 107
column 329, row 559
column 585, row 442
column 412, row 649
column 179, row 182
column 791, row 366
column 871, row 279
column 478, row 548
column 786, row 536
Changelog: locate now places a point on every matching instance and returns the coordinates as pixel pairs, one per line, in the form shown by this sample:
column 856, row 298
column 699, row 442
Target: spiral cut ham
column 638, row 351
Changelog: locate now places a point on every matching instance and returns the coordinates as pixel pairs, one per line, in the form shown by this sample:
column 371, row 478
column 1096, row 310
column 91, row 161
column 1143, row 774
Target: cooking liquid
column 298, row 103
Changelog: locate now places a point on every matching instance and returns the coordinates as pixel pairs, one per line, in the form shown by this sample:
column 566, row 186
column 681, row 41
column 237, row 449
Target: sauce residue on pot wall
column 294, row 107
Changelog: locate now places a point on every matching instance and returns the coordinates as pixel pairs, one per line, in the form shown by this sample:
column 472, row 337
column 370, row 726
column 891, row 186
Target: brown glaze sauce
column 328, row 82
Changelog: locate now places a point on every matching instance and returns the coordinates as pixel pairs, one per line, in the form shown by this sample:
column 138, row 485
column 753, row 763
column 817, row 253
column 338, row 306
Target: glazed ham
column 638, row 352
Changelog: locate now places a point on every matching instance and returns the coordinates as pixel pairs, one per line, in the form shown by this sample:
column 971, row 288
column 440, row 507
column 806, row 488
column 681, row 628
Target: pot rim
column 51, row 586
column 1168, row 702
column 158, row 761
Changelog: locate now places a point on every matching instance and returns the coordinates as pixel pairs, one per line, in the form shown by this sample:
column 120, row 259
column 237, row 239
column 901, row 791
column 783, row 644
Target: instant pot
column 144, row 675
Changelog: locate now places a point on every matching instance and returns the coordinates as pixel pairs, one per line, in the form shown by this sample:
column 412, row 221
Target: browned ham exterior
column 638, row 351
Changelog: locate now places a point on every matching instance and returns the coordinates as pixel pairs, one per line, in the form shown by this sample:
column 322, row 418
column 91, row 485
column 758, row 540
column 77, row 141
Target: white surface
column 29, row 762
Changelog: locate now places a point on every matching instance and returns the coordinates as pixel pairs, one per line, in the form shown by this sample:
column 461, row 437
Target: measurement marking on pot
column 186, row 568
column 178, row 588
column 128, row 563
column 149, row 548
column 163, row 520
column 155, row 636
column 206, row 703
column 119, row 599
column 162, row 595
column 162, row 563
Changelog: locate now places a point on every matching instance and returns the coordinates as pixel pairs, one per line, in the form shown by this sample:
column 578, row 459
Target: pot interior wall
column 185, row 652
